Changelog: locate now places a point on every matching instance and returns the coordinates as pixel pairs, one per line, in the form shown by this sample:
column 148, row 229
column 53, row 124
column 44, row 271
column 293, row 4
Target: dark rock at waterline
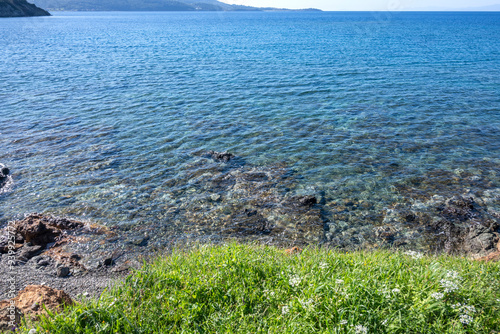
column 464, row 227
column 4, row 171
column 20, row 8
column 220, row 156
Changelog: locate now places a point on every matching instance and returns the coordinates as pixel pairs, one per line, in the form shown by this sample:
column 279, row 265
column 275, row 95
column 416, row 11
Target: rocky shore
column 237, row 201
column 20, row 8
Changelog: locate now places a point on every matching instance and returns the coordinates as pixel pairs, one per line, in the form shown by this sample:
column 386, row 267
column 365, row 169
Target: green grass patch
column 256, row 289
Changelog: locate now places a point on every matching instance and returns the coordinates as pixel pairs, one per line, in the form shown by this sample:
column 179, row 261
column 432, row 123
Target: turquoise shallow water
column 104, row 115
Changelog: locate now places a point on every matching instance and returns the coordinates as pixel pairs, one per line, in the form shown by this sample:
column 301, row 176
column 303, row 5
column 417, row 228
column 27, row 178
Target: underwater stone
column 221, row 156
column 305, row 200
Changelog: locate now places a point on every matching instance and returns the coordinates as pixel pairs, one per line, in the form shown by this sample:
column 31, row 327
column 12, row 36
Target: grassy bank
column 248, row 289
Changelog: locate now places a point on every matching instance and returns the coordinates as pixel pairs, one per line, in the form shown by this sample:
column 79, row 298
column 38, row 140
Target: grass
column 257, row 289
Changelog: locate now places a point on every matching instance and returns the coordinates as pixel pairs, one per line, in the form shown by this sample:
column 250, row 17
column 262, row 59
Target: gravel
column 42, row 270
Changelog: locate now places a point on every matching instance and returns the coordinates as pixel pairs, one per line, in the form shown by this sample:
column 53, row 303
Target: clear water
column 104, row 115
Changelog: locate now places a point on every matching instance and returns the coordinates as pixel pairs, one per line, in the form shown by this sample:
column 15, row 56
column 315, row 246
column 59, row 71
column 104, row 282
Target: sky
column 368, row 5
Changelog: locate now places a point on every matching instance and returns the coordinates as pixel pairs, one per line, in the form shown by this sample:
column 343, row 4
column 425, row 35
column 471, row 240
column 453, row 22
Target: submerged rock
column 221, row 156
column 304, row 200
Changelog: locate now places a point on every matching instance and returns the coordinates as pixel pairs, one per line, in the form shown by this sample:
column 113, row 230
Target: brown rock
column 31, row 299
column 41, row 230
column 293, row 250
column 492, row 257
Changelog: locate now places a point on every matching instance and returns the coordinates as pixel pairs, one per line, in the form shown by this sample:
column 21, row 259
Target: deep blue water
column 103, row 114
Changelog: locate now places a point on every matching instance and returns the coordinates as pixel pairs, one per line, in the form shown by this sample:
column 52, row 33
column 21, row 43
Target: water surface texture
column 106, row 116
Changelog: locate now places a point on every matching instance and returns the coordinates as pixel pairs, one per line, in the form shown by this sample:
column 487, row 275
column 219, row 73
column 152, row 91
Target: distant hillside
column 19, row 8
column 145, row 5
column 490, row 8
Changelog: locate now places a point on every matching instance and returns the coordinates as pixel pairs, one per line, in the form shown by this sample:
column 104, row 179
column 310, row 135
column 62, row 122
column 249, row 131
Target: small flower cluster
column 359, row 329
column 414, row 255
column 465, row 319
column 323, row 265
column 450, row 284
column 307, row 304
column 269, row 294
column 467, row 312
column 285, row 309
column 295, row 280
column 437, row 295
column 453, row 275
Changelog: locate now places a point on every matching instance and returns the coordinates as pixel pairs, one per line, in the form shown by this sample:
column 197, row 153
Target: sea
column 109, row 117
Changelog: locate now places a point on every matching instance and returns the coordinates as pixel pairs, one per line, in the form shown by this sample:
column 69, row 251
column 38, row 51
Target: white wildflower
column 449, row 286
column 269, row 294
column 323, row 265
column 306, row 304
column 415, row 255
column 295, row 280
column 465, row 319
column 360, row 329
column 396, row 290
column 437, row 295
column 453, row 275
column 285, row 309
column 468, row 309
column 343, row 322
